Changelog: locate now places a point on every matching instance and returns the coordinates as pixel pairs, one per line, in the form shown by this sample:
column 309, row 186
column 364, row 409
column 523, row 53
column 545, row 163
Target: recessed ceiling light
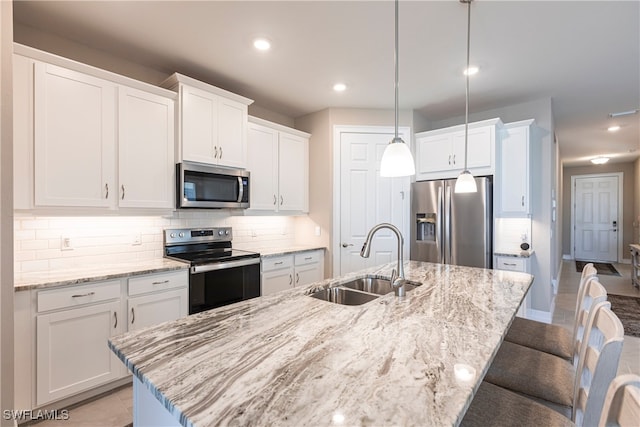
column 339, row 87
column 262, row 44
column 613, row 128
column 470, row 71
column 600, row 160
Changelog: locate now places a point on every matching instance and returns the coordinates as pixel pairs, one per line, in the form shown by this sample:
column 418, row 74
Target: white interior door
column 596, row 223
column 367, row 199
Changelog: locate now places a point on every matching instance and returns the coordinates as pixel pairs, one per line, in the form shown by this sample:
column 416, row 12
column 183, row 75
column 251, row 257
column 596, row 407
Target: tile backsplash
column 56, row 242
column 510, row 233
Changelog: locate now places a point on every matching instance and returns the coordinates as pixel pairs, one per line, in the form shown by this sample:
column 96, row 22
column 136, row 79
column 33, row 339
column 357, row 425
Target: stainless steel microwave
column 204, row 186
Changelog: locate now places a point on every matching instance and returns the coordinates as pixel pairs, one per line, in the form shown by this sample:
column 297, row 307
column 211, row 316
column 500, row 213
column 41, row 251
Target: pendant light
column 397, row 159
column 466, row 183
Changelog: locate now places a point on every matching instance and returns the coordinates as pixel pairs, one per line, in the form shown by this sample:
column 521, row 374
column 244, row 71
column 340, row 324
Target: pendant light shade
column 397, row 159
column 465, row 182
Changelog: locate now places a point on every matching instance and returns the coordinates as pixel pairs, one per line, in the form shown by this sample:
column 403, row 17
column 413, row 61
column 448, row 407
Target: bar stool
column 553, row 339
column 622, row 403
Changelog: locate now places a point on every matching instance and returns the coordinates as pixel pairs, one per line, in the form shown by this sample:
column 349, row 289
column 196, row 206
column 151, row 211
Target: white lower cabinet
column 62, row 333
column 71, row 341
column 286, row 271
column 157, row 298
column 516, row 264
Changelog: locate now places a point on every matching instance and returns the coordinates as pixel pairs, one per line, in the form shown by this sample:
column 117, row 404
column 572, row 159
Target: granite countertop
column 72, row 276
column 516, row 254
column 288, row 359
column 271, row 252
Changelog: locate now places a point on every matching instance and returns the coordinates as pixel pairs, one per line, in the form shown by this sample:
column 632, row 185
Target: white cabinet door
column 479, row 149
column 434, row 155
column 74, row 138
column 516, row 264
column 306, row 274
column 262, row 163
column 276, row 281
column 232, row 133
column 156, row 308
column 514, row 171
column 199, row 117
column 72, row 350
column 146, row 146
column 293, row 181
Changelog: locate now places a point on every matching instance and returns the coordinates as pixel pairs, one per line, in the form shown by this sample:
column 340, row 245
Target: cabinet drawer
column 307, row 258
column 276, row 263
column 74, row 296
column 512, row 264
column 158, row 282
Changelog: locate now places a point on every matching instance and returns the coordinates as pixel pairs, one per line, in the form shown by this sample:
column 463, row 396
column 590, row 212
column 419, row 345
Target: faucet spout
column 398, row 272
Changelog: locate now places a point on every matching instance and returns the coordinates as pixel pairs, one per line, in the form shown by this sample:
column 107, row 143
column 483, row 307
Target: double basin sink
column 359, row 291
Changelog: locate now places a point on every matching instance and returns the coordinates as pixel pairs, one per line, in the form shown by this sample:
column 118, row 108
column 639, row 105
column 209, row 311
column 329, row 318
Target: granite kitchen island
column 289, row 359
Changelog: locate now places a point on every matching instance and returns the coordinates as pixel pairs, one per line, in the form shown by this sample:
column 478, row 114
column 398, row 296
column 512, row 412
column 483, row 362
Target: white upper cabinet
column 146, row 147
column 513, row 176
column 88, row 138
column 278, row 160
column 74, row 138
column 212, row 123
column 441, row 153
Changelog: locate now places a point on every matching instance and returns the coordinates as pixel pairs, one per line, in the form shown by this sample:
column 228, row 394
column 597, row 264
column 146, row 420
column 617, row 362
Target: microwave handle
column 240, row 189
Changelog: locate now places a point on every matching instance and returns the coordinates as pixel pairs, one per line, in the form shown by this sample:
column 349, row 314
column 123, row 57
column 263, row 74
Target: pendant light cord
column 395, row 58
column 466, row 112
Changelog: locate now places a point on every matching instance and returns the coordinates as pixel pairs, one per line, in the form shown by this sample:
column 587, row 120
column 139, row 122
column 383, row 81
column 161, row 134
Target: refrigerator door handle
column 447, row 224
column 439, row 225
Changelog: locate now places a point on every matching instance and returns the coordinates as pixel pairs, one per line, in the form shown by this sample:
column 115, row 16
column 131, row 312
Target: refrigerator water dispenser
column 426, row 227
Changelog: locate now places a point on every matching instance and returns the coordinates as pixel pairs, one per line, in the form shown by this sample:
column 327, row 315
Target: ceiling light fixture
column 613, row 128
column 339, row 87
column 624, row 113
column 466, row 183
column 262, row 44
column 397, row 159
column 599, row 160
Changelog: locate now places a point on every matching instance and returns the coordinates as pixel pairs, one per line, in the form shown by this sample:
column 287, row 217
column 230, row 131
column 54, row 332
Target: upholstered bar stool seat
column 552, row 339
column 495, row 406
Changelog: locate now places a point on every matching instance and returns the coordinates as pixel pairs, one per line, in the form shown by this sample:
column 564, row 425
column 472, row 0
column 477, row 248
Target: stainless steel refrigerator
column 452, row 228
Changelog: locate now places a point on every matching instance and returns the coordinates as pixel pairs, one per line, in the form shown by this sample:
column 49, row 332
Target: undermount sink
column 343, row 296
column 376, row 285
column 360, row 290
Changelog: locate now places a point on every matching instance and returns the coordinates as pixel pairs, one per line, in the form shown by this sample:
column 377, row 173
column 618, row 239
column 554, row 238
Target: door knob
column 344, row 245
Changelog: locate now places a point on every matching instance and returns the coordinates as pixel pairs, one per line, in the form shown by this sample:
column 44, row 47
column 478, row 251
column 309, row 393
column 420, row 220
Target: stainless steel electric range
column 220, row 275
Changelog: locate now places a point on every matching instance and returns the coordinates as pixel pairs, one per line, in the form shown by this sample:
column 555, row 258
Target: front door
column 367, row 199
column 596, row 221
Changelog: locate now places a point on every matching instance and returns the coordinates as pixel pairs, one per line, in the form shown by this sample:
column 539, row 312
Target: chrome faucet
column 397, row 274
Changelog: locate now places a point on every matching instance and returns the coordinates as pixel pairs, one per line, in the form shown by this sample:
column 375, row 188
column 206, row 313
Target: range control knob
column 220, row 232
column 181, row 234
column 172, row 235
column 226, row 232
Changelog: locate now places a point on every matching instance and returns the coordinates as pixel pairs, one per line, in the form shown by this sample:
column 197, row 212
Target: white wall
column 6, row 209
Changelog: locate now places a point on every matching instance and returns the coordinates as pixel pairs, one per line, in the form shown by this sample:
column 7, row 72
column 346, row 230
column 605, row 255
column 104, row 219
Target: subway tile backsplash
column 56, row 242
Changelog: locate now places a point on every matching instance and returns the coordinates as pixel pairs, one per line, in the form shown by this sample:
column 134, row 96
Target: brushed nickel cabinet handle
column 290, row 279
column 88, row 294
column 122, row 191
column 281, row 200
column 106, row 188
column 275, row 200
column 215, row 152
column 449, row 159
column 523, row 201
column 297, row 278
column 160, row 283
column 220, row 153
column 133, row 316
column 115, row 316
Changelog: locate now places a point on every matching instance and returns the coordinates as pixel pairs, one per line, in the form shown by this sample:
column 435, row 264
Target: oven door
column 215, row 285
column 203, row 186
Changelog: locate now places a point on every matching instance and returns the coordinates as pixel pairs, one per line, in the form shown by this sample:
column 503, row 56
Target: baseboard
column 567, row 257
column 540, row 316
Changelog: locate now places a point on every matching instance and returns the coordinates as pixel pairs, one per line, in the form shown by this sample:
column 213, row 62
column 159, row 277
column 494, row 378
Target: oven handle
column 223, row 265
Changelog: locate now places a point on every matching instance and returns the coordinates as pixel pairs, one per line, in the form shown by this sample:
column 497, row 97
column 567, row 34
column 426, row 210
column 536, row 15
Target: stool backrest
column 592, row 294
column 622, row 403
column 588, row 272
column 597, row 364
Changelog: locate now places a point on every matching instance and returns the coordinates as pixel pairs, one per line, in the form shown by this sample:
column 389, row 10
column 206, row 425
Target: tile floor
column 115, row 408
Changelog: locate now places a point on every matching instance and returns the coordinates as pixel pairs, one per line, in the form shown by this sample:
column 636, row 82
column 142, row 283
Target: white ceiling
column 585, row 55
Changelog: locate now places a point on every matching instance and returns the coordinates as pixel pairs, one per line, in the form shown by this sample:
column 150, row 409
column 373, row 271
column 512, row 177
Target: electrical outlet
column 66, row 244
column 253, row 233
column 317, row 230
column 137, row 239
